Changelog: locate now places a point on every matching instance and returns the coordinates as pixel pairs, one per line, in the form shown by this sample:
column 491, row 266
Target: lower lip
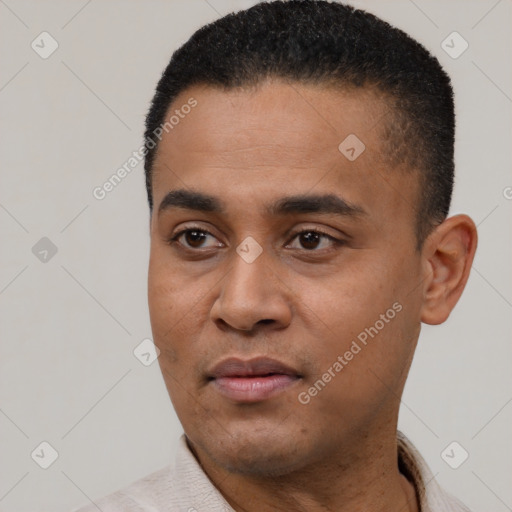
column 253, row 389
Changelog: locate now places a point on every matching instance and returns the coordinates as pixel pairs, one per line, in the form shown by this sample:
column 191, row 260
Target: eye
column 193, row 238
column 312, row 239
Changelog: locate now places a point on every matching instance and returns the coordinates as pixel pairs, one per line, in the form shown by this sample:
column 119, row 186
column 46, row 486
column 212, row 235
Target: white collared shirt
column 185, row 487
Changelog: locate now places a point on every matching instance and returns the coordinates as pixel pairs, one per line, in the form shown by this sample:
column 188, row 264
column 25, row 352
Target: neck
column 365, row 477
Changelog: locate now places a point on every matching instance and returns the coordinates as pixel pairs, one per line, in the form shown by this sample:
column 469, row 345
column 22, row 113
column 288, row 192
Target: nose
column 252, row 296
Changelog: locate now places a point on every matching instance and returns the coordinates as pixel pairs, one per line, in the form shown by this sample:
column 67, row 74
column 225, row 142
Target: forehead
column 281, row 136
column 274, row 118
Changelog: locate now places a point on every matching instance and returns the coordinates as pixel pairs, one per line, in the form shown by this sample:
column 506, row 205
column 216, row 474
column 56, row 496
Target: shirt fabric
column 185, row 487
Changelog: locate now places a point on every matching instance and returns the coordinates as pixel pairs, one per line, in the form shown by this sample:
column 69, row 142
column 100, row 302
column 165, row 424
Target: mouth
column 254, row 380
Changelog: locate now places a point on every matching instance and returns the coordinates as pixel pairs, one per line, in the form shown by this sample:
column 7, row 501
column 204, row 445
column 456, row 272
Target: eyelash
column 174, row 239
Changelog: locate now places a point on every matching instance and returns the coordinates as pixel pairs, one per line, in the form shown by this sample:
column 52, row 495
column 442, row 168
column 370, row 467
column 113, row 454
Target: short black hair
column 324, row 43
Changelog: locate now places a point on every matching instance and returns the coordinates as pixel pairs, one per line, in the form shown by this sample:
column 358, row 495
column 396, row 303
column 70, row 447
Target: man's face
column 265, row 155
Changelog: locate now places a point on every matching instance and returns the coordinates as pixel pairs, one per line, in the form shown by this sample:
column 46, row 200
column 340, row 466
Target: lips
column 252, row 380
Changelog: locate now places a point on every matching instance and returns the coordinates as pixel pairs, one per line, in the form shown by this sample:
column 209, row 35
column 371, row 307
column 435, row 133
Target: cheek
column 167, row 305
column 168, row 293
column 366, row 303
column 178, row 307
column 349, row 298
column 362, row 366
column 163, row 308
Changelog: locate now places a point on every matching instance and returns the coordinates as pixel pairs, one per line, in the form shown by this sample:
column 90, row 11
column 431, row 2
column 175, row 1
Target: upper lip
column 259, row 366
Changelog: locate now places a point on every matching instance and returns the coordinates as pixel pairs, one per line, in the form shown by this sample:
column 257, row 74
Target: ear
column 448, row 255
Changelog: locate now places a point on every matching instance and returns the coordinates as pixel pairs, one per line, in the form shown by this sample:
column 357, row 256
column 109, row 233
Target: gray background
column 69, row 325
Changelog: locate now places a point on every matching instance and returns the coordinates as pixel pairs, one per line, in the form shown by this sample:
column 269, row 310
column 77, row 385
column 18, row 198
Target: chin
column 258, row 453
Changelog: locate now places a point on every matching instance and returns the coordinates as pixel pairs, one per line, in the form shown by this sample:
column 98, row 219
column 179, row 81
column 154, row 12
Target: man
column 299, row 168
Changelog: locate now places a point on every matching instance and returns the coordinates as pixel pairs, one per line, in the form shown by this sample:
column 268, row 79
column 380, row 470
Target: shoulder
column 432, row 497
column 144, row 495
column 179, row 487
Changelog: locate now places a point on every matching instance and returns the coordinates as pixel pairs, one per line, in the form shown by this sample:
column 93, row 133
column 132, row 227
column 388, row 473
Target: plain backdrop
column 74, row 308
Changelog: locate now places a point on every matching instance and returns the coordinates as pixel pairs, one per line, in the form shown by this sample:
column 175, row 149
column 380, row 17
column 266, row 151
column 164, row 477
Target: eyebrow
column 302, row 203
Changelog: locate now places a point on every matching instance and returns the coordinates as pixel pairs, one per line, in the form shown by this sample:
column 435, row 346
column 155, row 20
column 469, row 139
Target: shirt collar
column 201, row 495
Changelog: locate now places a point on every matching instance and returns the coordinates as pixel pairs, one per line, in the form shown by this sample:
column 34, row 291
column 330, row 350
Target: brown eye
column 313, row 240
column 194, row 237
column 309, row 239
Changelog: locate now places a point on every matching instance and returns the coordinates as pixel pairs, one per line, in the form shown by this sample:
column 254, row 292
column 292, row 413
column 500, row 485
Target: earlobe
column 448, row 256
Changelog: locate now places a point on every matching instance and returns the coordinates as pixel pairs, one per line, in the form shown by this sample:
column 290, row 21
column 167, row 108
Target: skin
column 300, row 303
